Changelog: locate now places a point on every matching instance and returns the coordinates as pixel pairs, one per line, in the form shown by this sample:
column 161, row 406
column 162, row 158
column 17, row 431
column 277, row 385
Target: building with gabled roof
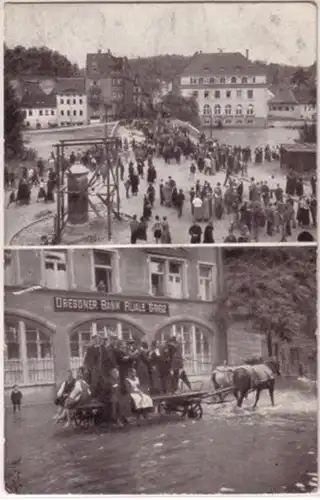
column 38, row 106
column 230, row 89
column 72, row 105
column 291, row 103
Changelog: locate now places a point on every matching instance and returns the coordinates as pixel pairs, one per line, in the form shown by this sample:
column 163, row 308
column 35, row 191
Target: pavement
column 18, row 217
column 269, row 450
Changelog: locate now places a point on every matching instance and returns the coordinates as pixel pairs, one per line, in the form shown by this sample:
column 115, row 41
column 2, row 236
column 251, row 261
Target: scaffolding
column 110, row 199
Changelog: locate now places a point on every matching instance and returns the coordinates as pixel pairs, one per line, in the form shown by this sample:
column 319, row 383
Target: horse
column 221, row 378
column 255, row 375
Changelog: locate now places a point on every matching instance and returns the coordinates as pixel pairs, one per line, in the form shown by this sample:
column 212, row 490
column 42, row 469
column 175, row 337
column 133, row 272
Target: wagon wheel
column 195, row 411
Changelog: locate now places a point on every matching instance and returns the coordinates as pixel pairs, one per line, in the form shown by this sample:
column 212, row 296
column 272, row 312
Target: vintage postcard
column 160, row 123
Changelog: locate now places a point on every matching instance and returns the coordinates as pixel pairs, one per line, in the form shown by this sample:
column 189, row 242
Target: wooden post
column 58, row 219
column 108, row 194
column 221, row 291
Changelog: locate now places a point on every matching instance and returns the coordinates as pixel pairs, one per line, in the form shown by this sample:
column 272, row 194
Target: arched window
column 223, row 79
column 200, row 81
column 196, row 345
column 250, row 110
column 228, row 109
column 239, row 110
column 233, row 79
column 211, row 80
column 217, row 109
column 244, row 79
column 207, row 109
column 81, row 336
column 28, row 356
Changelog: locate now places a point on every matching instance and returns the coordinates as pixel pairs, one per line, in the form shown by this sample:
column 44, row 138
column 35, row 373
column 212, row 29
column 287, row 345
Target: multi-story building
column 148, row 294
column 230, row 89
column 38, row 105
column 109, row 86
column 71, row 101
column 287, row 103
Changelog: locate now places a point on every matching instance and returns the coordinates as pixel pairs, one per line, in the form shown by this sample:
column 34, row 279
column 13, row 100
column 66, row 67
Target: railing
column 193, row 131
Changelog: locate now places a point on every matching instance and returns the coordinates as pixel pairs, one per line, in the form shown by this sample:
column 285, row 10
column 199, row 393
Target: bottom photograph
column 160, row 370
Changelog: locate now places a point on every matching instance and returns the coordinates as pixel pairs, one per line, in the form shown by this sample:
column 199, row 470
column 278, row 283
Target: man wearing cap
column 92, row 359
column 177, row 371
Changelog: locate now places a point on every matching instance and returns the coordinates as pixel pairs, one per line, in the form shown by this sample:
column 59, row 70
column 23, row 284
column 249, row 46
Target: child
column 16, row 397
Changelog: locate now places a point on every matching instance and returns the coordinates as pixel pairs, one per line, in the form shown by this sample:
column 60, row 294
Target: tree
column 185, row 109
column 309, row 133
column 38, row 61
column 13, row 122
column 276, row 289
column 300, row 77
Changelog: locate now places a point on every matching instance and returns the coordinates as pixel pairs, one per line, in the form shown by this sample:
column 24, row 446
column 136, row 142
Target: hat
column 94, row 334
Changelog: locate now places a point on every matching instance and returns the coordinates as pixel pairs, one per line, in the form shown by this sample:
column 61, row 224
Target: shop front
column 39, row 351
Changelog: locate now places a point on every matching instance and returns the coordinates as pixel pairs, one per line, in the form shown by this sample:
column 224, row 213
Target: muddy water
column 262, row 451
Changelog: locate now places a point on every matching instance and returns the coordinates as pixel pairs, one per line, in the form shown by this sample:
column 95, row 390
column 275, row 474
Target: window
column 68, row 112
column 211, row 80
column 46, row 112
column 68, row 101
column 253, row 79
column 195, row 343
column 239, row 110
column 217, row 109
column 250, row 110
column 80, row 112
column 28, row 356
column 61, row 101
column 233, row 79
column 166, row 278
column 80, row 338
column 40, row 112
column 217, row 94
column 205, row 282
column 250, row 121
column 207, row 109
column 228, row 94
column 74, row 101
column 55, row 269
column 239, row 121
column 28, row 124
column 80, row 101
column 74, row 112
column 228, row 121
column 200, row 81
column 280, row 108
column 239, row 93
column 195, row 93
column 52, row 112
column 62, row 112
column 228, row 109
column 206, row 94
column 244, row 79
column 102, row 262
column 193, row 81
column 250, row 94
column 157, row 272
column 222, row 79
column 30, row 112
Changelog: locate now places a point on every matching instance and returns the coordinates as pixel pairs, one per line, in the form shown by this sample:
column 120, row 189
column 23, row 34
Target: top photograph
column 160, row 123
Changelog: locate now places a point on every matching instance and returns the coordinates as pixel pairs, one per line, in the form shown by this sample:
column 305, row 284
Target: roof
column 74, row 85
column 100, row 64
column 300, row 147
column 34, row 97
column 222, row 63
column 303, row 95
column 282, row 94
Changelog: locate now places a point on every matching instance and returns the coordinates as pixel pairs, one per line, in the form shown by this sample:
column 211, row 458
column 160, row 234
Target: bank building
column 56, row 299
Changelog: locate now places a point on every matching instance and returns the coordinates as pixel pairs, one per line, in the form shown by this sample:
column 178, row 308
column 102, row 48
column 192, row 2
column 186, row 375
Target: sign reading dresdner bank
column 74, row 304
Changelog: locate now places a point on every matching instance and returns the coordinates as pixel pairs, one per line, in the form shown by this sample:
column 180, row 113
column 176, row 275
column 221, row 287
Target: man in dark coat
column 177, row 371
column 92, row 360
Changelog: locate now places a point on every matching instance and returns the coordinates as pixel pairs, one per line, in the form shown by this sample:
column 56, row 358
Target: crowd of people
column 116, row 372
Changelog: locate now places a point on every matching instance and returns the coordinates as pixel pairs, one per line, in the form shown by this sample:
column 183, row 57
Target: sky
column 274, row 32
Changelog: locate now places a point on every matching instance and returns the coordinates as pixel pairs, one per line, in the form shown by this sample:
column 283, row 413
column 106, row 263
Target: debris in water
column 157, row 445
column 226, row 490
column 186, row 441
column 311, row 453
column 313, row 484
column 300, row 486
column 162, row 457
column 101, row 448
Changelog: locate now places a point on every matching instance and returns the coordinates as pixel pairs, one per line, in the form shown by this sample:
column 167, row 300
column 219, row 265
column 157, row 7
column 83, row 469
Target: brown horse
column 255, row 375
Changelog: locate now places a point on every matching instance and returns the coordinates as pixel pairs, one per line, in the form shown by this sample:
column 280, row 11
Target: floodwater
column 269, row 450
column 254, row 137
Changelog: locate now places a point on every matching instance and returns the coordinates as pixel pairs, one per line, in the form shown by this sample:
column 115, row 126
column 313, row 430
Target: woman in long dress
column 141, row 402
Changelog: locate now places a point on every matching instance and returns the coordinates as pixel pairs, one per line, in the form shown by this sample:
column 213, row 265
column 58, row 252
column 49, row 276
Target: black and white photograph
column 160, row 123
column 152, row 370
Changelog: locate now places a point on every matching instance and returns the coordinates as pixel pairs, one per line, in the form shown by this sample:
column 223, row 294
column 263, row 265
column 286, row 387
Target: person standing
column 208, row 233
column 180, row 202
column 134, row 224
column 16, row 398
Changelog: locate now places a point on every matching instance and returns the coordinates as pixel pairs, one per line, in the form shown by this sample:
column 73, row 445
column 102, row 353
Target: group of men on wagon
column 115, row 371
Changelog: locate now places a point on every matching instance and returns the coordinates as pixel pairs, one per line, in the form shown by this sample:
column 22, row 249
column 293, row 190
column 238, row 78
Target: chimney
column 247, row 53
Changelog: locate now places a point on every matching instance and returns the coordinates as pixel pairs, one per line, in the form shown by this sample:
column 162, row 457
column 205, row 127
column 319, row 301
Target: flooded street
column 269, row 450
column 254, row 137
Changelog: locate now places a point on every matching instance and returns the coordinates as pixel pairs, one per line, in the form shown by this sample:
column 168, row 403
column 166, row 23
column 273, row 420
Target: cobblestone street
column 269, row 450
column 16, row 218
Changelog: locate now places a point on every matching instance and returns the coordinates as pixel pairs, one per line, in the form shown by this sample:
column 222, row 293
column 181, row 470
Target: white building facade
column 72, row 106
column 230, row 90
column 36, row 118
